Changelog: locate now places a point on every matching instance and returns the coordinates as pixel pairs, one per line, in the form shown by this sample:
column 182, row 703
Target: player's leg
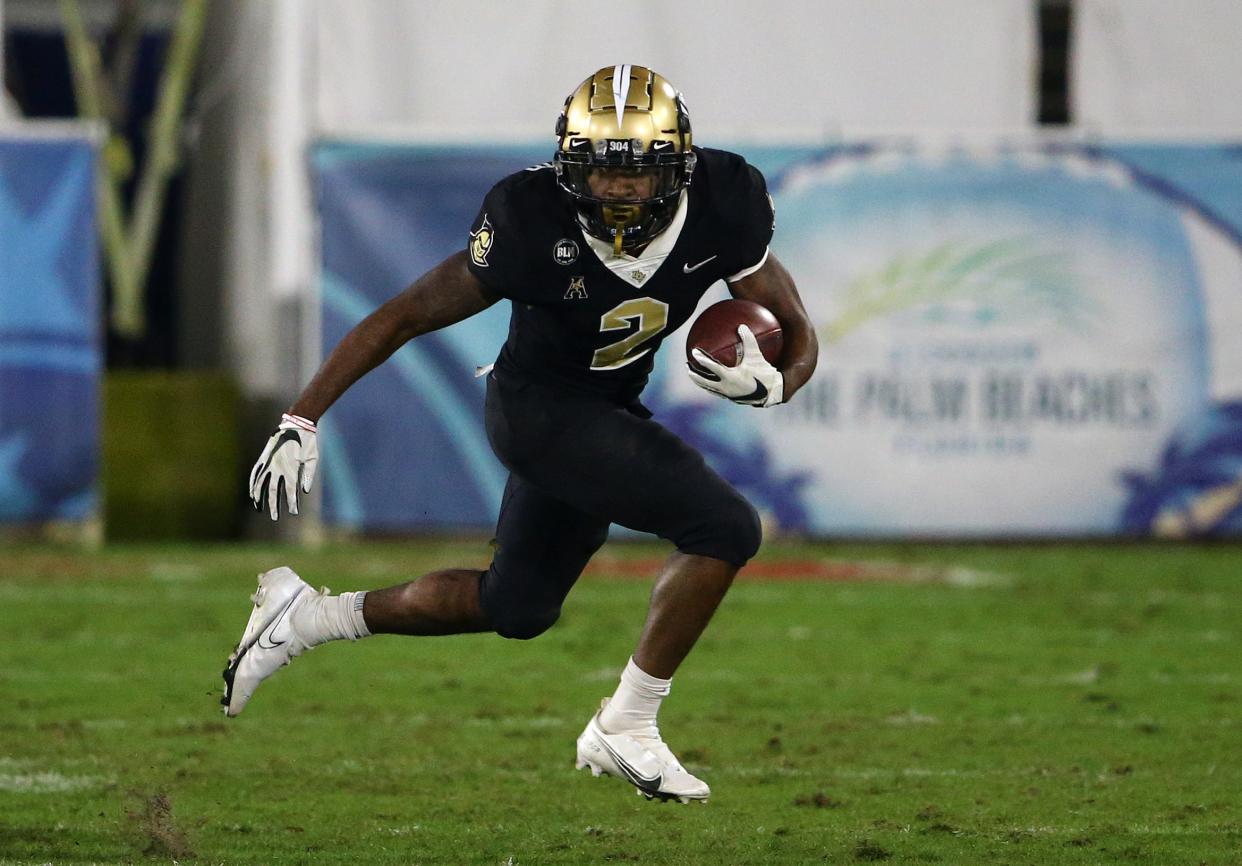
column 612, row 462
column 686, row 594
column 438, row 603
column 542, row 547
column 625, row 731
column 671, row 492
column 715, row 531
column 606, row 460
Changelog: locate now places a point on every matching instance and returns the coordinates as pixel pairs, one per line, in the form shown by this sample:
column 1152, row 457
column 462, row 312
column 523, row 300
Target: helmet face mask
column 624, row 153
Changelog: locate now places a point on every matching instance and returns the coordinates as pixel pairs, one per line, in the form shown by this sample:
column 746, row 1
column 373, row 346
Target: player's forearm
column 773, row 287
column 800, row 357
column 801, row 351
column 363, row 349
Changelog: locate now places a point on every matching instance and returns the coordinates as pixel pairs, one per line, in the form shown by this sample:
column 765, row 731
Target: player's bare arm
column 443, row 296
column 773, row 287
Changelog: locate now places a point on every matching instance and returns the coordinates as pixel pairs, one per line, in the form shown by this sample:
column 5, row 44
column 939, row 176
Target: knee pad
column 523, row 622
column 513, row 611
column 730, row 530
column 533, row 570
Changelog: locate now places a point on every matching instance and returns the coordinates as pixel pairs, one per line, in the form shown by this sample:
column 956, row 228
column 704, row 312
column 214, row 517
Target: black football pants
column 577, row 464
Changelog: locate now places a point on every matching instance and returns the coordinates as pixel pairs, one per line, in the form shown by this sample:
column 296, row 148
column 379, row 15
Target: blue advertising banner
column 1031, row 339
column 50, row 347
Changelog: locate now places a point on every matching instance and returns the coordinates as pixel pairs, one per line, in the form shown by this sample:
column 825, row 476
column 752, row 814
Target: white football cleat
column 269, row 641
column 641, row 759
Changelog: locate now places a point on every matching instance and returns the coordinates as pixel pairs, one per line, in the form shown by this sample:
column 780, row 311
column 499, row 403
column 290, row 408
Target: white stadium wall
column 812, row 68
column 1151, row 67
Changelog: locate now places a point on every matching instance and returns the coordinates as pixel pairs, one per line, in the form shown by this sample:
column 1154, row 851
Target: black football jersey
column 577, row 324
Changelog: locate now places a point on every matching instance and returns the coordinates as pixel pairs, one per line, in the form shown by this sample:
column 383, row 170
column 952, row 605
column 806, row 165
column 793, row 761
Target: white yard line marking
column 48, row 783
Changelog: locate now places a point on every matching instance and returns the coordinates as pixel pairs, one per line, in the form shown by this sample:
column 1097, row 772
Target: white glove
column 286, row 464
column 752, row 382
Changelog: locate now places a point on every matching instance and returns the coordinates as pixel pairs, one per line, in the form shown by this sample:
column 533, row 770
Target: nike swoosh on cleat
column 687, row 269
column 235, row 659
column 636, row 778
column 267, row 633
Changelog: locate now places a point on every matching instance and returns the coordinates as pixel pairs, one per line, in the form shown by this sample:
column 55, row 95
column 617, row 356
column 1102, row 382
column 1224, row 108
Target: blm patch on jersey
column 565, row 252
column 481, row 243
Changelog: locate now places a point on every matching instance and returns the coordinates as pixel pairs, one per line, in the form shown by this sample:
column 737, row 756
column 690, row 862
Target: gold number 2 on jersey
column 649, row 315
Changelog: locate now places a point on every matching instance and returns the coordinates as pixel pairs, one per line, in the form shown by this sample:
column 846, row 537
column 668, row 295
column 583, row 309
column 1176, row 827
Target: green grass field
column 945, row 704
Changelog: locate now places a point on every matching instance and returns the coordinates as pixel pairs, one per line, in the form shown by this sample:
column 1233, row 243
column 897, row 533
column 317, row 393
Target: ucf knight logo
column 481, row 243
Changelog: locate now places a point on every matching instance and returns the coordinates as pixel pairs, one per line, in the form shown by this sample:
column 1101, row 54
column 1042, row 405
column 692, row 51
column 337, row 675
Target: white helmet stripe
column 620, row 90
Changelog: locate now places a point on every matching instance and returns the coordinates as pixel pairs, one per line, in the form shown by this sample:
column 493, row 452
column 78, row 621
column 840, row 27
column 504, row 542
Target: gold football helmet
column 624, row 153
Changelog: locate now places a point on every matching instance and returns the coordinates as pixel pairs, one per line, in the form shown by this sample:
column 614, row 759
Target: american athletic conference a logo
column 565, row 251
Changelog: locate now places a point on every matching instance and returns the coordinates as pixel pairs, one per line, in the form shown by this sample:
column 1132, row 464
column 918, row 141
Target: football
column 715, row 332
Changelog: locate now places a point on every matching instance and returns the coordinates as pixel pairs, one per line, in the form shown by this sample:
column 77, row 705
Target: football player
column 602, row 253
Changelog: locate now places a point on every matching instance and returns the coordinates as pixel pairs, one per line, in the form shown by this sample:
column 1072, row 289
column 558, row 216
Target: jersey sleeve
column 754, row 219
column 495, row 248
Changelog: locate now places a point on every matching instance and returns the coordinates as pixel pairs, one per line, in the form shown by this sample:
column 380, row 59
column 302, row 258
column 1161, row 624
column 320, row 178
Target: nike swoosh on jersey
column 651, row 784
column 688, row 269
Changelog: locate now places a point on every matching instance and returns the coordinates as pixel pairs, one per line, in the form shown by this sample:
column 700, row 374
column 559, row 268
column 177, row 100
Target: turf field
column 950, row 704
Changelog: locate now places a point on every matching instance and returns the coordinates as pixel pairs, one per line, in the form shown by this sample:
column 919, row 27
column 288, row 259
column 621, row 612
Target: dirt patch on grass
column 867, row 851
column 162, row 835
column 818, row 800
